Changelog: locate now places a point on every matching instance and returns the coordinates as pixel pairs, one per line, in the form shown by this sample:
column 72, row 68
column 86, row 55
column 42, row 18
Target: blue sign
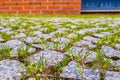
column 100, row 4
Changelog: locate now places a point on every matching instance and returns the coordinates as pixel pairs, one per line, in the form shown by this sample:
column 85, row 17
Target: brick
column 24, row 3
column 36, row 11
column 53, row 7
column 17, row 7
column 40, row 6
column 10, row 3
column 74, row 11
column 47, row 11
column 23, row 11
column 77, row 7
column 60, row 3
column 28, row 7
column 2, row 11
column 35, row 3
column 67, row 7
column 11, row 11
column 74, row 2
column 4, row 0
column 60, row 11
column 4, row 8
column 15, row 0
column 47, row 3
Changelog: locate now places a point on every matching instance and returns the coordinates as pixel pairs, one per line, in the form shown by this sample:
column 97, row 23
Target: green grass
column 63, row 16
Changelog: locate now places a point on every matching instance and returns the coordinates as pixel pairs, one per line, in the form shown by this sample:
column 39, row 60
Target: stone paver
column 72, row 71
column 11, row 70
column 111, row 75
column 103, row 34
column 90, row 57
column 51, row 57
column 62, row 40
column 77, row 51
column 110, row 52
column 20, row 35
column 32, row 40
column 91, row 39
column 14, row 43
column 85, row 43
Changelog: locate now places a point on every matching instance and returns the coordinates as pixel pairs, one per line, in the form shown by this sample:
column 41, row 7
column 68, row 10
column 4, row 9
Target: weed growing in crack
column 5, row 36
column 5, row 50
column 35, row 69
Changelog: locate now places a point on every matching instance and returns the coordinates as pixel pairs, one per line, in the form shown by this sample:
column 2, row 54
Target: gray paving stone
column 11, row 70
column 61, row 40
column 31, row 79
column 115, row 63
column 85, row 43
column 83, row 31
column 82, row 51
column 90, row 57
column 1, row 39
column 72, row 35
column 6, row 30
column 16, row 50
column 1, row 27
column 38, row 32
column 91, row 39
column 110, row 52
column 20, row 35
column 71, row 71
column 50, row 45
column 103, row 34
column 32, row 40
column 14, row 43
column 111, row 75
column 52, row 57
column 117, row 46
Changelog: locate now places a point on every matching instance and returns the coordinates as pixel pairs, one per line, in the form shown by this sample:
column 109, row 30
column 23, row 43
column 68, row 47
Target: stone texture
column 91, row 39
column 3, row 45
column 119, row 39
column 111, row 75
column 11, row 70
column 82, row 51
column 1, row 39
column 115, row 63
column 85, row 43
column 16, row 50
column 1, row 27
column 45, row 36
column 51, row 57
column 50, row 45
column 83, row 31
column 20, row 35
column 117, row 46
column 31, row 79
column 71, row 71
column 72, row 35
column 37, row 33
column 90, row 57
column 103, row 34
column 110, row 52
column 32, row 40
column 14, row 43
column 43, row 29
column 7, row 30
column 61, row 40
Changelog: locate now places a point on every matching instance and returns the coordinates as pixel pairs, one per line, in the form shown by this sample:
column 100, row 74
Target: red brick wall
column 40, row 6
